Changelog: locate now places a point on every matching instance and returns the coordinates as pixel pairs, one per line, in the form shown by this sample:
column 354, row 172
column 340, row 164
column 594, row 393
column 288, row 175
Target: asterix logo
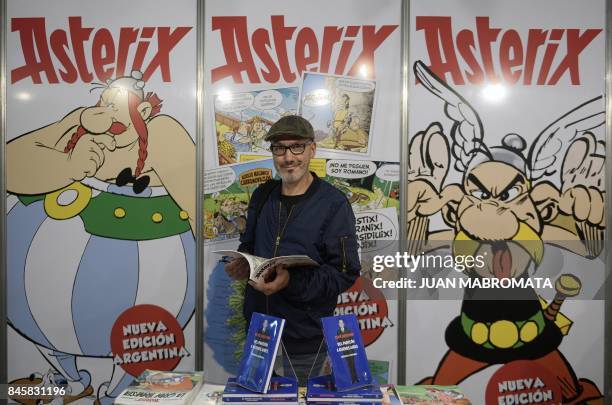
column 271, row 63
column 108, row 54
column 494, row 56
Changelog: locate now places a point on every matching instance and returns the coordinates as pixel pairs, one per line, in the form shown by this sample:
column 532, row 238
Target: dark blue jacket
column 322, row 226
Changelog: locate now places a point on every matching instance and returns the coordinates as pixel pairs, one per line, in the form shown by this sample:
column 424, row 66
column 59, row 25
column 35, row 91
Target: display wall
column 497, row 91
column 100, row 275
column 341, row 71
column 96, row 270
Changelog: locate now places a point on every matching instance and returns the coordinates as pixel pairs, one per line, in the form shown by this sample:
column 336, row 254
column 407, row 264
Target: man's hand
column 88, row 154
column 238, row 269
column 280, row 281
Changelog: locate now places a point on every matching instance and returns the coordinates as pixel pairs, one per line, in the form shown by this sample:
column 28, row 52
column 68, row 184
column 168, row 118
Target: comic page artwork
column 243, row 119
column 368, row 185
column 227, row 194
column 341, row 111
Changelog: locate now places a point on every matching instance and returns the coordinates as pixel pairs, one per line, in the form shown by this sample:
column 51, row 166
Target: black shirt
column 289, row 201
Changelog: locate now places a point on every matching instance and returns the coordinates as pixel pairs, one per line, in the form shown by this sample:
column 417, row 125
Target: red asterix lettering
column 310, row 53
column 109, row 55
column 501, row 54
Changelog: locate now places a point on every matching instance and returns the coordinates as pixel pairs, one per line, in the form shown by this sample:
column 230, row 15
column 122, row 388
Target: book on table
column 260, row 348
column 162, row 387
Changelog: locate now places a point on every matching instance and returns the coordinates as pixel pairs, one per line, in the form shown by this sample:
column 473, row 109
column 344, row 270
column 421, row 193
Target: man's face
column 341, row 324
column 290, row 167
column 112, row 116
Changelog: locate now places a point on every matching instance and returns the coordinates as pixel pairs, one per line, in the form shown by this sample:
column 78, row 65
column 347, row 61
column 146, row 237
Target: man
column 344, row 337
column 301, row 214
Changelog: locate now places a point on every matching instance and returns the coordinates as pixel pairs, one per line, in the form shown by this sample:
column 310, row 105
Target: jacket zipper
column 342, row 239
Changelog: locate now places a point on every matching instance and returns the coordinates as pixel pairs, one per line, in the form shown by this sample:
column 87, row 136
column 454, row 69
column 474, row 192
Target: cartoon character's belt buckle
column 67, row 202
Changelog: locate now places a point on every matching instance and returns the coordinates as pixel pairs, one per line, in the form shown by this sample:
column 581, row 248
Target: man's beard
column 295, row 176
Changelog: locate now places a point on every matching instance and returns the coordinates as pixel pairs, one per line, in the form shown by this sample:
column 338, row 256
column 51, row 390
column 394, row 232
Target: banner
column 341, row 70
column 101, row 203
column 506, row 124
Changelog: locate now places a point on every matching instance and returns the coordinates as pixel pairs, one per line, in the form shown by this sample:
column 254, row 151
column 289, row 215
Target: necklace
column 280, row 232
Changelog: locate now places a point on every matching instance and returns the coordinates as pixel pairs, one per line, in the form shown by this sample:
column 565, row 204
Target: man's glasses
column 296, row 148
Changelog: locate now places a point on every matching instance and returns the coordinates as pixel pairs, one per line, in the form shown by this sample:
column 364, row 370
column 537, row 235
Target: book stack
column 282, row 391
column 351, row 380
column 322, row 391
column 162, row 387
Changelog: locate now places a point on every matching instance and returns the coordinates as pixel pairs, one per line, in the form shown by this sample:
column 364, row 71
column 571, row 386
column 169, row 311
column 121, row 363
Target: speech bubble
column 361, row 86
column 218, row 179
column 388, row 172
column 268, row 99
column 317, row 98
column 350, row 169
column 374, row 227
column 233, row 102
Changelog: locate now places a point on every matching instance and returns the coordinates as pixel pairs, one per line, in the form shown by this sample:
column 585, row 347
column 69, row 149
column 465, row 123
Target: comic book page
column 243, row 119
column 368, row 185
column 341, row 111
column 227, row 193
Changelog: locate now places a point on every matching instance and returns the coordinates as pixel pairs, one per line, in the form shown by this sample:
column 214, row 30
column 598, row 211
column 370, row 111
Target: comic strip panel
column 341, row 110
column 242, row 120
column 227, row 194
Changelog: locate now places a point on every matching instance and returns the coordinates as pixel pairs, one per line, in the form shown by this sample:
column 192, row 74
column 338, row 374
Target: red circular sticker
column 522, row 382
column 147, row 337
column 369, row 305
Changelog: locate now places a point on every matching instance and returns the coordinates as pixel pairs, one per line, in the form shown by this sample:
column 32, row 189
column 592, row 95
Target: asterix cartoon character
column 101, row 213
column 505, row 207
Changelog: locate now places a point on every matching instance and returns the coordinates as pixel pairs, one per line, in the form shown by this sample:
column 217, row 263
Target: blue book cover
column 322, row 388
column 346, row 351
column 260, row 347
column 281, row 389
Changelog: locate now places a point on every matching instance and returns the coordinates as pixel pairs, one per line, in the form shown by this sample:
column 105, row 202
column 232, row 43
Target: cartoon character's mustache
column 526, row 237
column 117, row 128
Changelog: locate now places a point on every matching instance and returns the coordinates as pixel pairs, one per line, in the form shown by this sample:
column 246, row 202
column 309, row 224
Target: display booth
column 133, row 138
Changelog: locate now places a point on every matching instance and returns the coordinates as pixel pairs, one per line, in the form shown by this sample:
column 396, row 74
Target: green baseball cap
column 291, row 126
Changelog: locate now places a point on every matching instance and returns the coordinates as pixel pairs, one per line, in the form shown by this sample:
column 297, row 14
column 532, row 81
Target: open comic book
column 260, row 267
